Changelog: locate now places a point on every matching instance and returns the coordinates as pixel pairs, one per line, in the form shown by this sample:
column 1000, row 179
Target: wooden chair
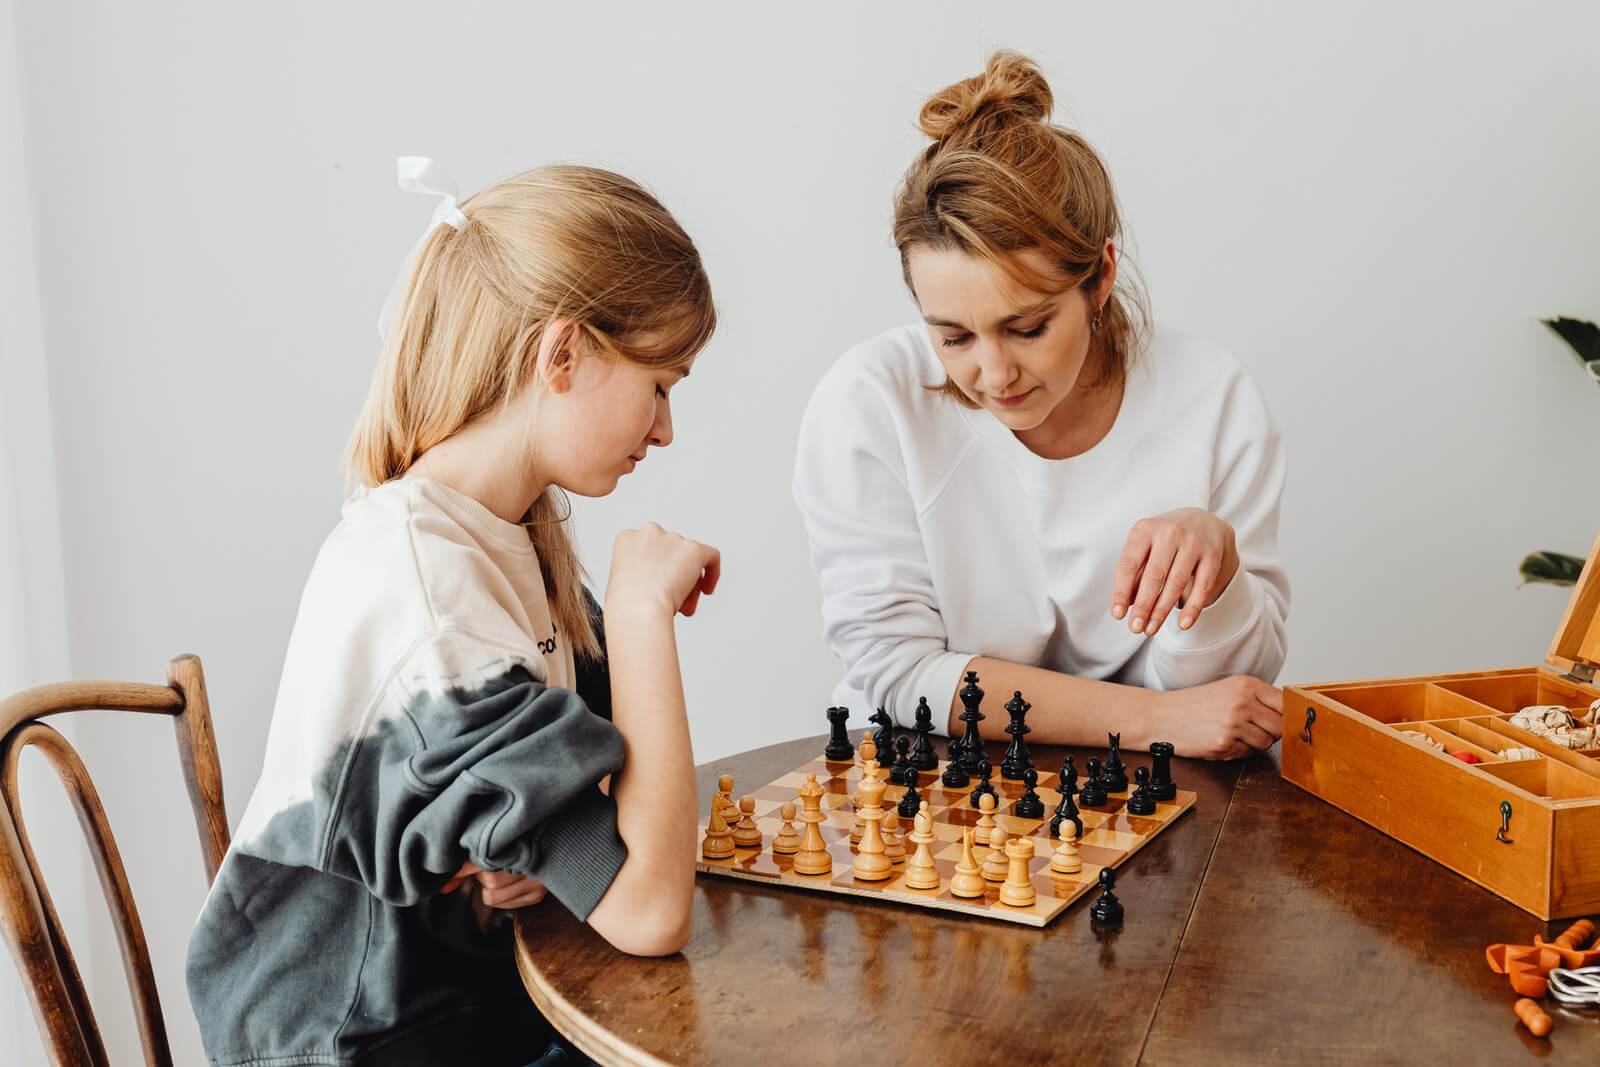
column 27, row 915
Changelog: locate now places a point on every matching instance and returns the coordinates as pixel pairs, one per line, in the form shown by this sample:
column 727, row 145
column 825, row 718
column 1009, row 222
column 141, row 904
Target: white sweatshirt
column 937, row 536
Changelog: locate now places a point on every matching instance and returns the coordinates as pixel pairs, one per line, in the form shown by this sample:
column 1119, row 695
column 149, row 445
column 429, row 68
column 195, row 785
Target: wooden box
column 1528, row 829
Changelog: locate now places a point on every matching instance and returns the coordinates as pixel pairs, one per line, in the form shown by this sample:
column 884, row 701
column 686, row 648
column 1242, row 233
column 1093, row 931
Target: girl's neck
column 458, row 462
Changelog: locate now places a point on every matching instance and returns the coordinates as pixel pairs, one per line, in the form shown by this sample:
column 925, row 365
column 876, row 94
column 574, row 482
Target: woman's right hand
column 1225, row 719
column 653, row 567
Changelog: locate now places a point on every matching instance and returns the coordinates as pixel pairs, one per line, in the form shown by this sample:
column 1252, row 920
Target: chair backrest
column 28, row 917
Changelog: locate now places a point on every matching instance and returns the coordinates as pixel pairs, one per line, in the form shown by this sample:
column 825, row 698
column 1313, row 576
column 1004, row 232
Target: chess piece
column 985, row 768
column 1065, row 859
column 1017, row 757
column 839, row 748
column 1069, row 776
column 996, row 864
column 883, row 736
column 747, row 834
column 923, row 757
column 813, row 857
column 1018, row 889
column 786, row 842
column 1162, row 787
column 971, row 743
column 1107, row 908
column 1115, row 775
column 893, row 846
column 1141, row 802
column 1029, row 806
column 868, row 753
column 983, row 832
column 718, row 843
column 1066, row 815
column 1093, row 793
column 968, row 880
column 903, row 772
column 921, row 873
column 871, row 864
column 911, row 801
column 954, row 776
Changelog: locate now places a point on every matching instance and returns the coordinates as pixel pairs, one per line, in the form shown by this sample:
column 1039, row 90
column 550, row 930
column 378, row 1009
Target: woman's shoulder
column 1194, row 382
column 896, row 368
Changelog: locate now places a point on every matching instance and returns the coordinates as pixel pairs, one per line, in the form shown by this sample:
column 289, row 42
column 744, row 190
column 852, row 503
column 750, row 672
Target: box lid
column 1576, row 649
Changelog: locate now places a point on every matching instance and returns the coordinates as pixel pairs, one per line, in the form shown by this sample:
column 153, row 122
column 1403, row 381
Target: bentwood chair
column 28, row 917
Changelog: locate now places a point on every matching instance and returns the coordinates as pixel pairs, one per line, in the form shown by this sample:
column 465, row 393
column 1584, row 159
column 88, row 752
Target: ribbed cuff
column 580, row 852
column 1231, row 614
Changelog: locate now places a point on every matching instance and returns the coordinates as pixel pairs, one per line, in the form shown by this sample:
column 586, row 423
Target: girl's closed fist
column 656, row 568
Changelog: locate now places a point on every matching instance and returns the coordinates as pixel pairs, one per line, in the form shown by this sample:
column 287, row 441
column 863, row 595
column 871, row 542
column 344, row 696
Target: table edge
column 595, row 1041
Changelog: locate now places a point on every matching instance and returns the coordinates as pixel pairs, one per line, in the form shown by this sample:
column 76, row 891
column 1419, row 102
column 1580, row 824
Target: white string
column 1576, row 987
column 420, row 174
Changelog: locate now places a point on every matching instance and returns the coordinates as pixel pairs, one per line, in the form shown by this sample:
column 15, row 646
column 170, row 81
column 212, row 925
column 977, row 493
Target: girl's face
column 1015, row 352
column 598, row 418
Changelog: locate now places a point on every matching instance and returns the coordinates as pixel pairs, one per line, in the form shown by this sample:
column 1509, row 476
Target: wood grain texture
column 1317, row 939
column 28, row 917
column 785, row 977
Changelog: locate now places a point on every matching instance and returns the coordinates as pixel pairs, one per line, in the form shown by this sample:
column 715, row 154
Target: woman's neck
column 1082, row 420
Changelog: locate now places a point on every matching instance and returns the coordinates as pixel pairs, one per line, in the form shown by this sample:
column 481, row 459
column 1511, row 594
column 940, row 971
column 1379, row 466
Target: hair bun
column 1010, row 89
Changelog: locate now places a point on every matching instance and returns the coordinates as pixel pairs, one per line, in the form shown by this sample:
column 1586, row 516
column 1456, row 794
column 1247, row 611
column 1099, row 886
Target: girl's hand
column 1226, row 719
column 652, row 566
column 501, row 889
column 1185, row 551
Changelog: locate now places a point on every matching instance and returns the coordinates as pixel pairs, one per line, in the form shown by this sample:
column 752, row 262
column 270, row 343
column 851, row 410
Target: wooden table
column 1265, row 927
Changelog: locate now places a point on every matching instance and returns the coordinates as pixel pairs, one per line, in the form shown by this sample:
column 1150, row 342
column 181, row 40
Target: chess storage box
column 1441, row 763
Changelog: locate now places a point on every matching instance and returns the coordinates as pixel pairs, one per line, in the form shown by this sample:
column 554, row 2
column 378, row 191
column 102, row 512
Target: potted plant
column 1558, row 568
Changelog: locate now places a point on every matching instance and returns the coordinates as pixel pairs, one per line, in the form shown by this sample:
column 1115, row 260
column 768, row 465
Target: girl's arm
column 654, row 575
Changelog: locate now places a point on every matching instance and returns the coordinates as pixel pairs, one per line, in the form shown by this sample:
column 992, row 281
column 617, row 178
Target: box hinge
column 1582, row 673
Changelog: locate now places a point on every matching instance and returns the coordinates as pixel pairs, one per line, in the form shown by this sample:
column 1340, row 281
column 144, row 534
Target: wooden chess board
column 1110, row 836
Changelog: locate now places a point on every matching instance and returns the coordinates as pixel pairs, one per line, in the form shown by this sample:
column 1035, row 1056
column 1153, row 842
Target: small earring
column 1094, row 323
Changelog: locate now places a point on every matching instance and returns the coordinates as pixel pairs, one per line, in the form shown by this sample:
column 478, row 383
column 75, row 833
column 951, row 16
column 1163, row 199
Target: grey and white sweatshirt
column 429, row 713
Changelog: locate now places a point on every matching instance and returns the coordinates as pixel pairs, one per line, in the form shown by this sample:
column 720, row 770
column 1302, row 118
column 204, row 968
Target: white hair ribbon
column 419, row 174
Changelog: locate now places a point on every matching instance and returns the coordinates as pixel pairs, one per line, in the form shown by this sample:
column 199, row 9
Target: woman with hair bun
column 1031, row 482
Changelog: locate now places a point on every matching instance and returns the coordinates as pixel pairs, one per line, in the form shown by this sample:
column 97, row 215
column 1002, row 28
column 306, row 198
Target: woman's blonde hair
column 1000, row 179
column 557, row 242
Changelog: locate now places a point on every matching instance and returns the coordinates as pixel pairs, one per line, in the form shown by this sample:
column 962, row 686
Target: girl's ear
column 558, row 355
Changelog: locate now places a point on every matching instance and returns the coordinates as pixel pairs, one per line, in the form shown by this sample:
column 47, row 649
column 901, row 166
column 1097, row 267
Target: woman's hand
column 501, row 889
column 652, row 566
column 1226, row 719
column 1188, row 551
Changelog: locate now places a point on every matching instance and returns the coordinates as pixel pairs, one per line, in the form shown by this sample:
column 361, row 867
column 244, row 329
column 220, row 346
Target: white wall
column 1369, row 202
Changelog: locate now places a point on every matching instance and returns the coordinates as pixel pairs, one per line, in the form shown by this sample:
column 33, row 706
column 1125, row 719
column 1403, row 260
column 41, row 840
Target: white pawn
column 995, row 865
column 986, row 830
column 747, row 834
column 893, row 846
column 1065, row 859
column 787, row 842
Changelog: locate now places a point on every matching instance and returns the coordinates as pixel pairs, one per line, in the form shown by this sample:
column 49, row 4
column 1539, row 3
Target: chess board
column 1110, row 836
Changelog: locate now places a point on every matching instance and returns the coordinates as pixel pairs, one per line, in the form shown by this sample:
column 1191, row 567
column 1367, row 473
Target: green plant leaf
column 1551, row 568
column 1583, row 337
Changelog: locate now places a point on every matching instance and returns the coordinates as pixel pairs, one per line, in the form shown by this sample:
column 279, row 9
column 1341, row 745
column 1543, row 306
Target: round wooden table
column 1264, row 927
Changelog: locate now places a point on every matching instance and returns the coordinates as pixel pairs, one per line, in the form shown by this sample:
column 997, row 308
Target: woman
column 1031, row 484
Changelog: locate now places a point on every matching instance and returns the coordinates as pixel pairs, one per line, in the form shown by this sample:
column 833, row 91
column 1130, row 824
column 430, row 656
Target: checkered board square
column 1110, row 836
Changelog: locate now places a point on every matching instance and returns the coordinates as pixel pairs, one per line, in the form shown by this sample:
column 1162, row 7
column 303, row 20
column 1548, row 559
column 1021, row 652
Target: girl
column 445, row 707
column 1028, row 483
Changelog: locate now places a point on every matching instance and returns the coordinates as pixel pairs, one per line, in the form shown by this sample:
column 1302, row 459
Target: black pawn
column 903, row 773
column 971, row 743
column 883, row 736
column 1017, row 757
column 1162, row 787
column 1142, row 803
column 1029, row 806
column 1066, row 811
column 912, row 800
column 954, row 777
column 1116, row 774
column 839, row 749
column 1069, row 777
column 923, row 757
column 985, row 769
column 1107, row 908
column 1093, row 793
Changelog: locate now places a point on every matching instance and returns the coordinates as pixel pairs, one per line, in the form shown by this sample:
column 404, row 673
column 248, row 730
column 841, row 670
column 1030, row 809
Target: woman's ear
column 557, row 358
column 1108, row 276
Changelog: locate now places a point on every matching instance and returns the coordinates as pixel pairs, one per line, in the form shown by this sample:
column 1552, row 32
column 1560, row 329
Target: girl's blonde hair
column 999, row 179
column 557, row 242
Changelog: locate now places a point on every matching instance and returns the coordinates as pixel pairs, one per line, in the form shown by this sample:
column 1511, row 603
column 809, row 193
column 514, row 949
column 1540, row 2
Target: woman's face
column 1014, row 352
column 599, row 418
